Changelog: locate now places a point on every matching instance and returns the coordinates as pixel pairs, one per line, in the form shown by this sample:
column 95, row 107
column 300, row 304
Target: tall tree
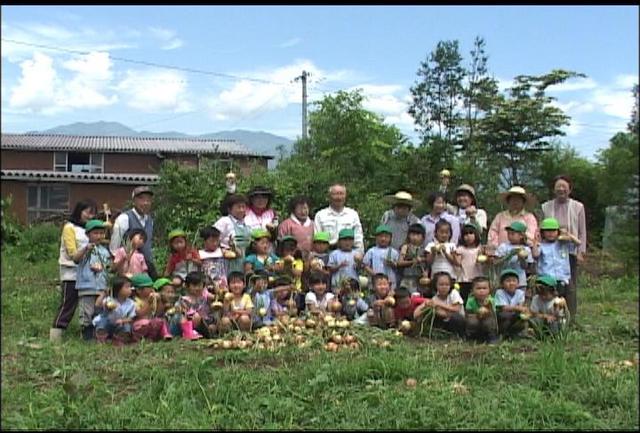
column 634, row 124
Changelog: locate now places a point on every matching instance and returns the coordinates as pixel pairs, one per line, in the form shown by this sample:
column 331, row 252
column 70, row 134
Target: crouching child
column 148, row 304
column 116, row 313
column 447, row 305
column 480, row 312
column 512, row 313
column 549, row 311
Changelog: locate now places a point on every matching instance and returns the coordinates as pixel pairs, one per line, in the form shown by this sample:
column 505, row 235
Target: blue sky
column 377, row 48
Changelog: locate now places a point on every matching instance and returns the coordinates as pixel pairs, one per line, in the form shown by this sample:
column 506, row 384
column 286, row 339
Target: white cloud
column 155, row 90
column 168, row 37
column 36, row 88
column 616, row 103
column 626, row 81
column 290, row 43
column 574, row 84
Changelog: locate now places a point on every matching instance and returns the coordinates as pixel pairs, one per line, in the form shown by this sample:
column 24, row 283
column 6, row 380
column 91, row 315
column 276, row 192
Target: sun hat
column 401, row 197
column 517, row 190
column 465, row 187
column 260, row 190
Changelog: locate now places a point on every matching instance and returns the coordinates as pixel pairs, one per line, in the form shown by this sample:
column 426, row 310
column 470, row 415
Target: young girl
column 468, row 263
column 116, row 313
column 382, row 258
column 317, row 299
column 412, row 261
column 441, row 252
column 146, row 324
column 128, row 260
column 260, row 255
column 448, row 305
column 194, row 316
column 281, row 295
column 380, row 303
column 342, row 262
column 183, row 259
column 515, row 254
column 293, row 265
column 238, row 306
column 214, row 265
column 261, row 298
column 546, row 317
column 352, row 304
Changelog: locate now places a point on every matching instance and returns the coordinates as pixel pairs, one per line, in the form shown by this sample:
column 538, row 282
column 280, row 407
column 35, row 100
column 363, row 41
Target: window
column 46, row 200
column 78, row 162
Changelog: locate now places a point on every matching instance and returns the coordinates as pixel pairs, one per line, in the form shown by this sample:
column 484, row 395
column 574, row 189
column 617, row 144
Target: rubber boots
column 188, row 333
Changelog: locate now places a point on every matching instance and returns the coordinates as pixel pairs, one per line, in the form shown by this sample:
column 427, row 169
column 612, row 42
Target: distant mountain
column 256, row 141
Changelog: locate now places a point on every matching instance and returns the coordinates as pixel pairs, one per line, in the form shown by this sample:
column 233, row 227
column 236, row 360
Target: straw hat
column 517, row 190
column 401, row 197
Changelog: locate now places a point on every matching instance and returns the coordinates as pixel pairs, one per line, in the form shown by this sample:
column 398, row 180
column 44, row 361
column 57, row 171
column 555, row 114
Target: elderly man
column 399, row 217
column 137, row 218
column 337, row 216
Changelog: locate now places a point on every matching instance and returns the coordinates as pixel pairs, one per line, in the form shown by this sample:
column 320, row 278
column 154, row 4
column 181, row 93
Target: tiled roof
column 110, row 144
column 58, row 176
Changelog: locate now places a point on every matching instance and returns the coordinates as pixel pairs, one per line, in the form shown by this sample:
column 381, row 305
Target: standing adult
column 298, row 225
column 438, row 203
column 234, row 231
column 139, row 217
column 516, row 199
column 571, row 217
column 467, row 210
column 259, row 214
column 337, row 216
column 399, row 217
column 73, row 239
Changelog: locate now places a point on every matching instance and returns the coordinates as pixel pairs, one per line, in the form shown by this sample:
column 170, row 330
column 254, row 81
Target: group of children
column 203, row 293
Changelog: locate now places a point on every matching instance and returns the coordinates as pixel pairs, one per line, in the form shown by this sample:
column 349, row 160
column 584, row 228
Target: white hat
column 401, row 197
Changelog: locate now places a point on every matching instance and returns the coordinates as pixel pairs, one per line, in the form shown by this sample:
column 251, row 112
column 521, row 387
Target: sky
column 234, row 67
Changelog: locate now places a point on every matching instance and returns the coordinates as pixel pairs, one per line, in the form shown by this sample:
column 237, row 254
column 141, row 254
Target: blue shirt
column 514, row 262
column 257, row 264
column 429, row 223
column 124, row 310
column 335, row 259
column 504, row 298
column 89, row 280
column 375, row 259
column 554, row 260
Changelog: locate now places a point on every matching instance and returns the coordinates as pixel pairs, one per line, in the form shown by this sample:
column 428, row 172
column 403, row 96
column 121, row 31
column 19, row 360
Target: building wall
column 131, row 163
column 18, row 191
column 21, row 160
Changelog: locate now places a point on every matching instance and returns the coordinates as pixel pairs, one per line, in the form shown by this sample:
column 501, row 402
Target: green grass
column 181, row 385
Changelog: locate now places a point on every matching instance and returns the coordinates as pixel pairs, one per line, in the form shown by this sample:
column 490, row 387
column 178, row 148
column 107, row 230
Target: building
column 46, row 174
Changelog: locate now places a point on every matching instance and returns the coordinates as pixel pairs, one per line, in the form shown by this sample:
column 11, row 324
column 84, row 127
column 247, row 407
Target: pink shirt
column 253, row 221
column 498, row 232
column 136, row 264
column 469, row 267
column 302, row 232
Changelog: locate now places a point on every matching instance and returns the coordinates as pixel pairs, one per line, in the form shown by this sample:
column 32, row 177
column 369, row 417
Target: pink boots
column 188, row 333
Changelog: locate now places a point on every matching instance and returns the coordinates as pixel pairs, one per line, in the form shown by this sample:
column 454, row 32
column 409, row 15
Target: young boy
column 480, row 312
column 261, row 298
column 93, row 261
column 406, row 305
column 146, row 324
column 213, row 263
column 516, row 254
column 342, row 262
column 382, row 259
column 318, row 258
column 380, row 313
column 412, row 261
column 546, row 316
column 510, row 305
column 353, row 306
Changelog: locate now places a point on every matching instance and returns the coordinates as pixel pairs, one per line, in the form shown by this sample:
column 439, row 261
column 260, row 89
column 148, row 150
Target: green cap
column 321, row 237
column 160, row 283
column 508, row 271
column 259, row 234
column 383, row 228
column 288, row 238
column 474, row 226
column 547, row 280
column 346, row 233
column 177, row 233
column 93, row 224
column 141, row 280
column 550, row 224
column 518, row 226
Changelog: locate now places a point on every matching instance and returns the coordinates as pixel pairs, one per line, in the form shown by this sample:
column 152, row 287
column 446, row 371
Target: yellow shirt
column 245, row 303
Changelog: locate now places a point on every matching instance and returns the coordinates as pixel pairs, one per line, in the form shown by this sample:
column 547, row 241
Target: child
column 214, row 265
column 342, row 261
column 467, row 263
column 405, row 305
column 411, row 262
column 178, row 284
column 553, row 253
column 238, row 306
column 183, row 259
column 260, row 255
column 261, row 298
column 117, row 313
column 146, row 323
column 93, row 261
column 281, row 298
column 317, row 299
column 515, row 254
column 380, row 313
column 352, row 304
column 510, row 305
column 480, row 312
column 318, row 258
column 194, row 316
column 448, row 305
column 128, row 260
column 293, row 263
column 167, row 295
column 382, row 258
column 546, row 316
column 441, row 252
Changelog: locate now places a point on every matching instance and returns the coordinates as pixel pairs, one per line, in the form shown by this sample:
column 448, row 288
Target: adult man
column 137, row 218
column 337, row 216
column 399, row 217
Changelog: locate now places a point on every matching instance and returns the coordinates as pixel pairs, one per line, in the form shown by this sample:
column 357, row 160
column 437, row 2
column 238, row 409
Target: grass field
column 578, row 383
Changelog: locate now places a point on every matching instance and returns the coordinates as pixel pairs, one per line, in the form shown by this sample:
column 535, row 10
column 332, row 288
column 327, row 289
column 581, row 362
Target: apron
column 242, row 239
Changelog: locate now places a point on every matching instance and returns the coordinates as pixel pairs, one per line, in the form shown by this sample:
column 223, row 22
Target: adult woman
column 73, row 239
column 467, row 210
column 571, row 217
column 298, row 225
column 515, row 199
column 438, row 204
column 234, row 230
column 259, row 214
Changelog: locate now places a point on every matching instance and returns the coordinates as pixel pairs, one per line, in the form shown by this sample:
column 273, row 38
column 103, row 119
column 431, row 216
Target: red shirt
column 407, row 313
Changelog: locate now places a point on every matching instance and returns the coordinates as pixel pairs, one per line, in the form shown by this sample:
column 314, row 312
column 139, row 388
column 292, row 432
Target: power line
column 153, row 64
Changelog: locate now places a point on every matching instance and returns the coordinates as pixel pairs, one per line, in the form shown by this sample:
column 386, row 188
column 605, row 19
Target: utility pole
column 303, row 77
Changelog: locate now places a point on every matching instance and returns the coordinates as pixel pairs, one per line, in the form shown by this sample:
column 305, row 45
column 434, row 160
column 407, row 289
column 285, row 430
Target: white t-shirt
column 453, row 298
column 540, row 306
column 311, row 299
column 440, row 262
